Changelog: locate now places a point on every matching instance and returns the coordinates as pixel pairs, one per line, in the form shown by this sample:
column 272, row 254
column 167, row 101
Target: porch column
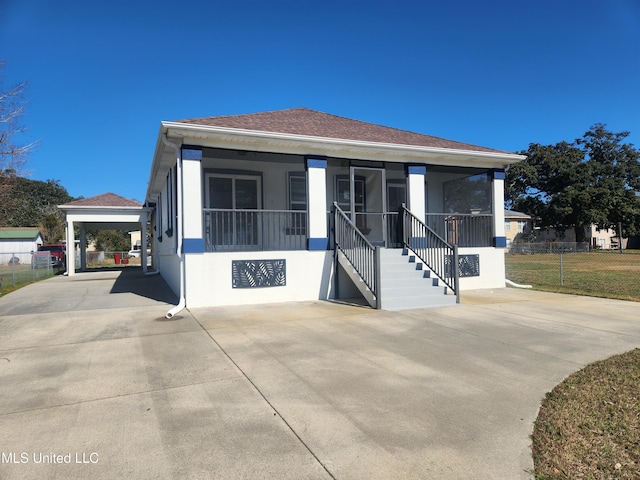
column 83, row 249
column 191, row 214
column 317, row 203
column 497, row 191
column 71, row 249
column 143, row 242
column 416, row 192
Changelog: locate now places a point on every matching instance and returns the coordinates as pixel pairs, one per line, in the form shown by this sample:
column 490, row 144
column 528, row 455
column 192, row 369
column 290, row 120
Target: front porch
column 254, row 204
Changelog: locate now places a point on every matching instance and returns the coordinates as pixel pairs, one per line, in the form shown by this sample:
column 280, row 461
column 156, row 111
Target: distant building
column 518, row 227
column 602, row 239
column 19, row 243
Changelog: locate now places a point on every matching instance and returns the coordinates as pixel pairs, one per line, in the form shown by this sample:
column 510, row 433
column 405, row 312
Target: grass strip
column 588, row 426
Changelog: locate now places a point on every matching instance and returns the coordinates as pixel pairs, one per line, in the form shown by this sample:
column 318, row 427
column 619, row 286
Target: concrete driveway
column 95, row 383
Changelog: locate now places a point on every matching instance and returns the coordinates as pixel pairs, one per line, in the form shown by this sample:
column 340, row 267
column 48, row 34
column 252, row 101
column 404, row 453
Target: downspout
column 182, row 302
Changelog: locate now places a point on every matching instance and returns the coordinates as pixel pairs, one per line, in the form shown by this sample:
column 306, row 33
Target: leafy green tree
column 30, row 201
column 595, row 179
column 52, row 227
column 112, row 241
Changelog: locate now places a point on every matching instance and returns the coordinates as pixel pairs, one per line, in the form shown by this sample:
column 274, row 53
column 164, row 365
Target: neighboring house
column 297, row 205
column 597, row 238
column 136, row 240
column 518, row 227
column 19, row 243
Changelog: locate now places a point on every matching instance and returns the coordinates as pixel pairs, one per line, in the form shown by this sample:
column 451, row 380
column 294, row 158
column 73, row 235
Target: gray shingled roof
column 303, row 121
column 104, row 200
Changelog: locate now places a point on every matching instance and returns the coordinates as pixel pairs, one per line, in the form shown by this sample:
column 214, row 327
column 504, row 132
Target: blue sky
column 502, row 74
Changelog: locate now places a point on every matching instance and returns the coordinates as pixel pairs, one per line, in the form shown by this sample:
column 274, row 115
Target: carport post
column 143, row 241
column 83, row 249
column 71, row 249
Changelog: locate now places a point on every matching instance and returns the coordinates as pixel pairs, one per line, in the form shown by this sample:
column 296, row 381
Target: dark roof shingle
column 303, row 121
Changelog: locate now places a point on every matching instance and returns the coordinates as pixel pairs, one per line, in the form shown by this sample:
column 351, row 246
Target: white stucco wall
column 492, row 273
column 309, row 277
column 169, row 266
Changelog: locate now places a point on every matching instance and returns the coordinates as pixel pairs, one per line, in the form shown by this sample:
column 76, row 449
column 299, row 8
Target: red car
column 53, row 254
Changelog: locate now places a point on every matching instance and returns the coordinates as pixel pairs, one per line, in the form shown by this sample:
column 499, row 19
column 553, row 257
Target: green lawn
column 599, row 273
column 589, row 425
column 13, row 277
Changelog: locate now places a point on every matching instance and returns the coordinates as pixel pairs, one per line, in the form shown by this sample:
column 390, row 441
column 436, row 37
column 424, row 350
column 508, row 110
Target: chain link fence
column 18, row 268
column 574, row 268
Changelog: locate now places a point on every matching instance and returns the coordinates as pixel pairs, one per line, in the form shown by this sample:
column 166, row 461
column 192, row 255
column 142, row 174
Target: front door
column 368, row 203
column 234, row 199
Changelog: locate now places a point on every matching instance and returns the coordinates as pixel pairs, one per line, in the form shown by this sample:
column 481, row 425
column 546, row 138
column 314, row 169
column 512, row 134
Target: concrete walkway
column 96, row 383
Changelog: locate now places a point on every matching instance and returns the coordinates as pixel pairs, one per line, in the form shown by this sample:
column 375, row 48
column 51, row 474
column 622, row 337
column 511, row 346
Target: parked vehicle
column 51, row 254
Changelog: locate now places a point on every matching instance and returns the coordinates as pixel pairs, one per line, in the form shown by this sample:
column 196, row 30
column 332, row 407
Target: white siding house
column 301, row 205
column 19, row 243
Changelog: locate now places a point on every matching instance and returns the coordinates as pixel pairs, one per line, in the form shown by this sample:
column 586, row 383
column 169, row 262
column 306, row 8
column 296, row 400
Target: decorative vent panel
column 258, row 273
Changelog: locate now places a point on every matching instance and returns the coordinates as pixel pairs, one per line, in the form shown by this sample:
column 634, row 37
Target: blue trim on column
column 193, row 245
column 191, row 152
column 318, row 243
column 314, row 162
column 500, row 242
column 499, row 174
column 417, row 169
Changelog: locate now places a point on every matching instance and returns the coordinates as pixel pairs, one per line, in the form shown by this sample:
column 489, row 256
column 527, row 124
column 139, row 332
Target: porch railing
column 463, row 230
column 436, row 253
column 259, row 230
column 356, row 248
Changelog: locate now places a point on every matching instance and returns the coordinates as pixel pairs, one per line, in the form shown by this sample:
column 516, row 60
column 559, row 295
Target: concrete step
column 410, row 303
column 407, row 283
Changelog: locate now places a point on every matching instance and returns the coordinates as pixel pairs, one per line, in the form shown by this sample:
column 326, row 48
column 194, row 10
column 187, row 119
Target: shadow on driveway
column 91, row 290
column 133, row 280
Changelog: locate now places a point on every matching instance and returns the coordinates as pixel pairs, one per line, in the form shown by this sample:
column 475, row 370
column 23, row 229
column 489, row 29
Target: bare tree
column 13, row 152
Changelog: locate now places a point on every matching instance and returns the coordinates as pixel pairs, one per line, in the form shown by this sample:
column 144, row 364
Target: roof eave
column 274, row 142
column 303, row 144
column 99, row 207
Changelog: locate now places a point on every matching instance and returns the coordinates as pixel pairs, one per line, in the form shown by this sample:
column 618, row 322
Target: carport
column 102, row 212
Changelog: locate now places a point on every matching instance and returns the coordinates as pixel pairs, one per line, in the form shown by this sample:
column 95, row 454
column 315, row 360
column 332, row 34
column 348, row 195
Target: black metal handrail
column 250, row 229
column 356, row 248
column 463, row 230
column 438, row 255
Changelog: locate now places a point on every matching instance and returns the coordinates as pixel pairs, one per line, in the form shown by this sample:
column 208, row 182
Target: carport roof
column 105, row 200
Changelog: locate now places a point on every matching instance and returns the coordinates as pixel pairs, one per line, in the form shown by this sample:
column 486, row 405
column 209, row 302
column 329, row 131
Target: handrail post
column 378, row 278
column 456, row 273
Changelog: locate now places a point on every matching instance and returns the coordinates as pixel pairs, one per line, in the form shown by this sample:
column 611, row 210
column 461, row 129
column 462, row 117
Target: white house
column 19, row 243
column 302, row 205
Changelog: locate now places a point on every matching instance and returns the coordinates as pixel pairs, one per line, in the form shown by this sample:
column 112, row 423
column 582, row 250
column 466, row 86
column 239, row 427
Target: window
column 170, row 202
column 343, row 193
column 468, row 194
column 507, row 225
column 234, row 197
column 522, row 225
column 297, row 193
column 159, row 218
